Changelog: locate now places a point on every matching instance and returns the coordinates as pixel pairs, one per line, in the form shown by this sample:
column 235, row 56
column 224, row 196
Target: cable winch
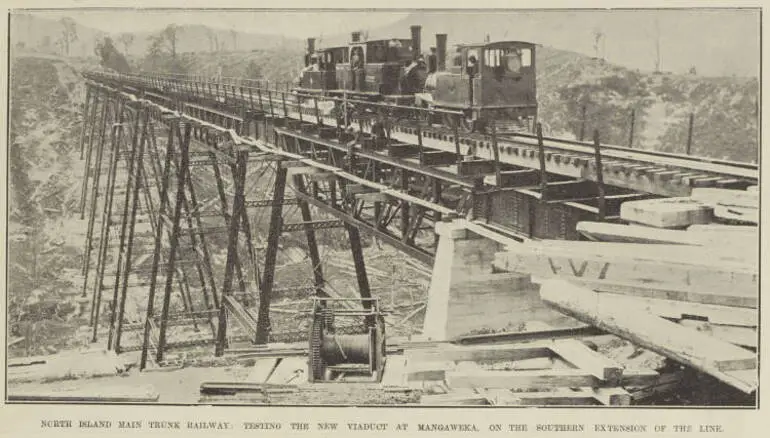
column 345, row 340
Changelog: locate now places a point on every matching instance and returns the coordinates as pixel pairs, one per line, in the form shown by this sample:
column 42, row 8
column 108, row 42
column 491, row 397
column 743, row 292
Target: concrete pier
column 466, row 295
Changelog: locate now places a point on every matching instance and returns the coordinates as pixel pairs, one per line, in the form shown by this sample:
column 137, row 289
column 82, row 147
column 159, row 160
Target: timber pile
column 682, row 279
column 65, row 366
column 561, row 372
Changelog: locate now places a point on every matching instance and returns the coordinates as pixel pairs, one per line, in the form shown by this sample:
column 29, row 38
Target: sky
column 297, row 24
column 718, row 42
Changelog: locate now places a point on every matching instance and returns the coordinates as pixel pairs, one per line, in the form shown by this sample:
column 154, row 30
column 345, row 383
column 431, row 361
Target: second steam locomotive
column 491, row 82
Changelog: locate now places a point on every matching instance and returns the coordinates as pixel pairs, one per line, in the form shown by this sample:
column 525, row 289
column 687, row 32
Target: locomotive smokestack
column 355, row 37
column 310, row 45
column 416, row 50
column 441, row 51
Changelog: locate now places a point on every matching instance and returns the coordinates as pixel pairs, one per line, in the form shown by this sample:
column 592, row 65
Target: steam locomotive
column 485, row 83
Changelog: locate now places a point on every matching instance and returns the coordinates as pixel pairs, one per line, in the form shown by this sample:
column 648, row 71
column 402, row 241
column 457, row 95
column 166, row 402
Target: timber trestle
column 194, row 191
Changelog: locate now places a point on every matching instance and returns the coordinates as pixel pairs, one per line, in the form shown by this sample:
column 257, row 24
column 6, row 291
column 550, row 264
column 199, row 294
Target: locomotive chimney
column 416, row 50
column 441, row 51
column 310, row 45
column 355, row 37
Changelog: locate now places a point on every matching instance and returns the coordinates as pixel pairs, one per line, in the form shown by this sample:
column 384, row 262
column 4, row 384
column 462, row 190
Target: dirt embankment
column 45, row 235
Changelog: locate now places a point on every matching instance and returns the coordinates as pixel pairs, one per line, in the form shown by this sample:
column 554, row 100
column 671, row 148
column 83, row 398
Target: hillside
column 629, row 36
column 724, row 109
column 45, row 240
column 35, row 33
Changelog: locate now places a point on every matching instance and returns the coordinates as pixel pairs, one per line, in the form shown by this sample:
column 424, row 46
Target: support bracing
column 274, row 232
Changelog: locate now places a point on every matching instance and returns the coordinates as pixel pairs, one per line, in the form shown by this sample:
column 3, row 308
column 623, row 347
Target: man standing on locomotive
column 356, row 66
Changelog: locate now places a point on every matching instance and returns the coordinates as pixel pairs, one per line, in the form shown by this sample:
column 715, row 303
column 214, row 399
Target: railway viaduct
column 448, row 199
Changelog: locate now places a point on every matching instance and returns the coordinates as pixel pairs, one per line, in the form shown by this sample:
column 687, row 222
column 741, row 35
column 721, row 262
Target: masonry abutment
column 467, row 296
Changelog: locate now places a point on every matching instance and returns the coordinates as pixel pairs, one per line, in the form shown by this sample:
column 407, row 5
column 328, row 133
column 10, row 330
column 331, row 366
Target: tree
column 169, row 34
column 126, row 40
column 598, row 42
column 110, row 57
column 234, row 36
column 69, row 33
column 162, row 53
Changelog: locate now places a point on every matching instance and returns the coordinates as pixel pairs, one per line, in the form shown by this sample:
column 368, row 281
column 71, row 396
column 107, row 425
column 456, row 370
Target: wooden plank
column 475, row 167
column 672, row 292
column 291, row 370
column 737, row 335
column 561, row 397
column 417, row 370
column 498, row 396
column 102, row 393
column 480, row 353
column 372, row 197
column 619, row 233
column 526, row 379
column 664, row 383
column 671, row 309
column 666, row 212
column 737, row 214
column 726, row 197
column 262, row 370
column 687, row 346
column 612, row 396
column 653, row 266
column 578, row 354
column 721, row 229
column 394, row 375
column 464, row 396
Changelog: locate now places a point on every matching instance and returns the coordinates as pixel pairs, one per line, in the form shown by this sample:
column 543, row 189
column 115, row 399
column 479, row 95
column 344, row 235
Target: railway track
column 661, row 173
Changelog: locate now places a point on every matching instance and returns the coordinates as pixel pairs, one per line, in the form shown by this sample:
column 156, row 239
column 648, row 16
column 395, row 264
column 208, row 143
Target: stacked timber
column 703, row 206
column 681, row 280
column 558, row 372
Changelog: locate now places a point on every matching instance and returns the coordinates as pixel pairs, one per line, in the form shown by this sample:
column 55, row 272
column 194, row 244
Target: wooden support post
column 131, row 230
column 358, row 261
column 312, row 245
column 456, row 136
column 239, row 179
column 437, row 216
column 631, row 129
column 541, row 157
column 94, row 195
column 274, row 233
column 496, row 155
column 223, row 203
column 404, row 206
column 88, row 121
column 182, row 171
column 420, row 147
column 318, row 117
column 101, row 261
column 599, row 176
column 132, row 181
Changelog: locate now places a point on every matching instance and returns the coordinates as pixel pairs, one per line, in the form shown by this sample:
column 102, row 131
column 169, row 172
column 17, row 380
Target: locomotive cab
column 389, row 69
column 319, row 74
column 492, row 82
